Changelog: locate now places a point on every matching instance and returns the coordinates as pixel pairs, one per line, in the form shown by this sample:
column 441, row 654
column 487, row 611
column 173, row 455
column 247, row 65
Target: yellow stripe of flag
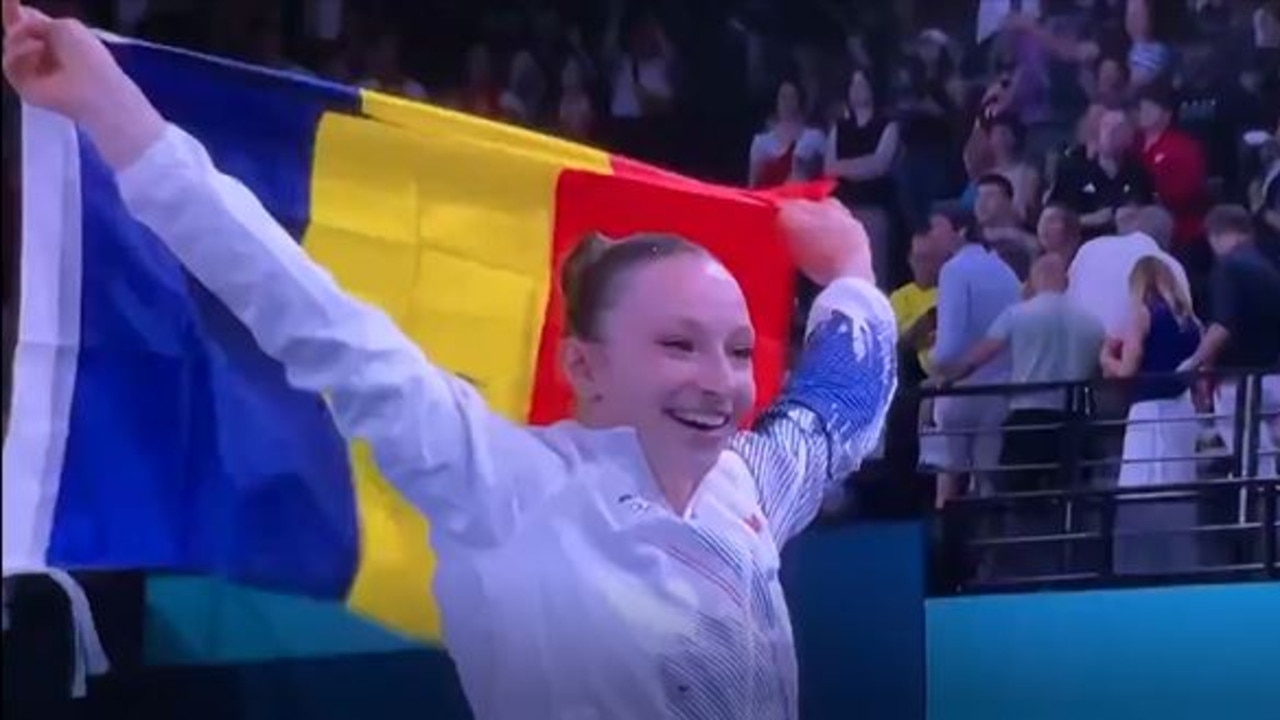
column 445, row 222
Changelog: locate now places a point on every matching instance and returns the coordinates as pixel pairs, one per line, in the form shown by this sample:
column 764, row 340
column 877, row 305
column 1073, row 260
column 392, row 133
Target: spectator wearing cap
column 1176, row 164
column 1244, row 310
column 1096, row 184
column 974, row 287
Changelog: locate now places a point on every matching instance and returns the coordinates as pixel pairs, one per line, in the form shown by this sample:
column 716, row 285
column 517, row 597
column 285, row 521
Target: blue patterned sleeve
column 832, row 410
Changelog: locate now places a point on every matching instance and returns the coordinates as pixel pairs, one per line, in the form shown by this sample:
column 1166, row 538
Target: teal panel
column 210, row 622
column 1199, row 652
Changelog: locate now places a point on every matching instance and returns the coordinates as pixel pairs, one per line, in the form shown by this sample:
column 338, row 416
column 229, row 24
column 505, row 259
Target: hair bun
column 589, row 251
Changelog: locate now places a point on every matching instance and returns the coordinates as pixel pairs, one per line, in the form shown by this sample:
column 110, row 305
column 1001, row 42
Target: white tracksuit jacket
column 569, row 590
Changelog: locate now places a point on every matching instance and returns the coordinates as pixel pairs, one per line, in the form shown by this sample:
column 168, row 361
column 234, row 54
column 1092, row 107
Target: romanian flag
column 147, row 429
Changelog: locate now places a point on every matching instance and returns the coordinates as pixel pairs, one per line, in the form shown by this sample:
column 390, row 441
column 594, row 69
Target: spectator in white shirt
column 1099, row 283
column 1099, row 275
column 788, row 149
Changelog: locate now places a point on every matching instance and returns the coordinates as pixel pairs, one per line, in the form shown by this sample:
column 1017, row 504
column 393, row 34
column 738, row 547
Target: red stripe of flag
column 737, row 226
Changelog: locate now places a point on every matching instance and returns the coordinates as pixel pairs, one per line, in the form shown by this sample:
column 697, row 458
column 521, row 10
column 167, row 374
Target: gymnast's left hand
column 826, row 241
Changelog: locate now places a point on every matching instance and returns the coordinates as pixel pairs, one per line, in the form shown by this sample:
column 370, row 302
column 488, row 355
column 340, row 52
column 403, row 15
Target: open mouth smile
column 700, row 421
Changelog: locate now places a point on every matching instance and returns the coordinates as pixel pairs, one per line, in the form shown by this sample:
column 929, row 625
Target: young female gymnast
column 623, row 564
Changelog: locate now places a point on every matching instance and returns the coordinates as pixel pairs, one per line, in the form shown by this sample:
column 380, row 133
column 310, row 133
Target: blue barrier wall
column 1199, row 652
column 224, row 651
column 856, row 596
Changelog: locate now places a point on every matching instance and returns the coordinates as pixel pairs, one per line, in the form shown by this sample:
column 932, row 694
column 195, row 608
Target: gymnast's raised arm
column 432, row 434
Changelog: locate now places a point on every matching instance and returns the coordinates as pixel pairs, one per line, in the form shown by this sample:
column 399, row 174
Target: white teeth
column 702, row 420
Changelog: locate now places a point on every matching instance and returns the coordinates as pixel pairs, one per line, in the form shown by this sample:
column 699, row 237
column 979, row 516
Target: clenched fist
column 826, row 242
column 59, row 64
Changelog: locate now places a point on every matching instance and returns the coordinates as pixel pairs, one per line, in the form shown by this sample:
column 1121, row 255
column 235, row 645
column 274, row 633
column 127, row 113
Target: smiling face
column 671, row 358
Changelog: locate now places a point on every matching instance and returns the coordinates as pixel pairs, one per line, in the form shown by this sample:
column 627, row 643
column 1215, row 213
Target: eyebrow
column 690, row 324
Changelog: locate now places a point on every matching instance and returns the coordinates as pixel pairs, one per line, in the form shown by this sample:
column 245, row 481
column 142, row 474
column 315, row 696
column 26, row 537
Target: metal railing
column 1076, row 527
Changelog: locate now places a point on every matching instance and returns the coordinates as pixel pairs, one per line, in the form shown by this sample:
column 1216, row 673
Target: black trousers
column 1036, row 445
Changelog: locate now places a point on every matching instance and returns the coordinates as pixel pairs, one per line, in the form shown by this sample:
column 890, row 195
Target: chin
column 710, row 444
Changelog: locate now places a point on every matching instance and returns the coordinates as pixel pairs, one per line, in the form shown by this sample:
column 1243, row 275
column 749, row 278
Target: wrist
column 856, row 268
column 123, row 125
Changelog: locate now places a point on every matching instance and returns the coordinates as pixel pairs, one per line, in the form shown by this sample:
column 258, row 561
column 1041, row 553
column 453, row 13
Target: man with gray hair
column 1099, row 284
column 1151, row 220
column 1099, row 274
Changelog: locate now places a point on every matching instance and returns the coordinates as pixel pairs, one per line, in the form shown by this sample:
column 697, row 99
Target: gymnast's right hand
column 59, row 64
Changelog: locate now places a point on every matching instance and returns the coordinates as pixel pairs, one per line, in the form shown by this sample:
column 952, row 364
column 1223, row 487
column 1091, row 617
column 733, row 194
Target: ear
column 580, row 361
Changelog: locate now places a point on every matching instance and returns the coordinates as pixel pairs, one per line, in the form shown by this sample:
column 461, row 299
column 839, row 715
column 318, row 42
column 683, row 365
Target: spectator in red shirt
column 1176, row 164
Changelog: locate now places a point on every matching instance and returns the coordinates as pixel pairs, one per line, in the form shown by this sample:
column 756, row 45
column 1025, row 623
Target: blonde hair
column 1152, row 276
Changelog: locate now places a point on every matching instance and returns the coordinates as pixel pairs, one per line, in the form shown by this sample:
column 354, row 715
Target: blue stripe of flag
column 187, row 448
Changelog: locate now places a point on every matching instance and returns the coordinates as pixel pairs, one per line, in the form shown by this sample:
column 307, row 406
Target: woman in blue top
column 1160, row 437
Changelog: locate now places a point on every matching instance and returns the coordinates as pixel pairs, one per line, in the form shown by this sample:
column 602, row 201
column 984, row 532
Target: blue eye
column 744, row 353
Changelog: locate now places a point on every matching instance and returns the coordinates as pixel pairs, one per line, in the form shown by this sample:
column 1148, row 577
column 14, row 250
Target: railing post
column 1071, row 474
column 1250, row 408
column 1270, row 499
column 1109, row 501
column 1239, row 426
column 1071, row 445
